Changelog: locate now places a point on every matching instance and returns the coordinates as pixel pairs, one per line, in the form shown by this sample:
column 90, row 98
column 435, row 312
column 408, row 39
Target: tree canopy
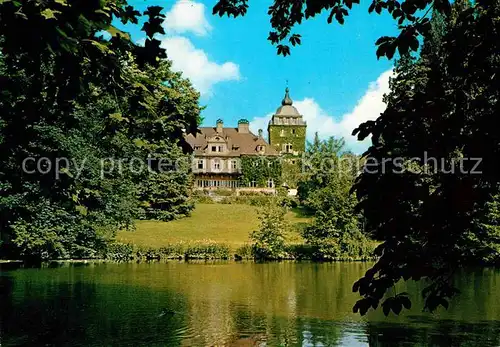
column 431, row 191
column 83, row 121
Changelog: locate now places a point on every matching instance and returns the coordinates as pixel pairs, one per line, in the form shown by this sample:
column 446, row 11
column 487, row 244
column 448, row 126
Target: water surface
column 229, row 304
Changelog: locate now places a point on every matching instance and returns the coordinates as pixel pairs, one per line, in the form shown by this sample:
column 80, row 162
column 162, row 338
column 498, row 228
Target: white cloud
column 187, row 16
column 367, row 108
column 196, row 65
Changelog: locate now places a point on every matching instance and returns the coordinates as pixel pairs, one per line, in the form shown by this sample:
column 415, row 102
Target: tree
column 325, row 190
column 432, row 182
column 269, row 239
column 72, row 106
column 321, row 163
column 411, row 17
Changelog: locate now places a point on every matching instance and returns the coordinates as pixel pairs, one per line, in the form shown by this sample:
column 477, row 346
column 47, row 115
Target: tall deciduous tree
column 325, row 190
column 430, row 201
column 73, row 106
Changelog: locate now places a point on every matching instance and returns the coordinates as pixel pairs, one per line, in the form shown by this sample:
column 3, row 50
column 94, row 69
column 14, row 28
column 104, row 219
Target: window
column 293, row 162
column 270, row 183
column 282, row 132
column 260, row 148
column 288, row 148
column 293, row 131
column 216, row 164
column 234, row 165
column 219, row 148
column 214, row 148
column 197, row 147
column 200, row 164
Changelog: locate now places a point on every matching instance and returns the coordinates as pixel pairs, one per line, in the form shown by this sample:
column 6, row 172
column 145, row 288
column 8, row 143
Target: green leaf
column 82, row 210
column 118, row 117
column 102, row 47
column 49, row 14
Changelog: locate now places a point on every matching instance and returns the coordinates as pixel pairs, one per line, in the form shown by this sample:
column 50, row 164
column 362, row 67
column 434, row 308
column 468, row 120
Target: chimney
column 220, row 125
column 260, row 133
column 243, row 126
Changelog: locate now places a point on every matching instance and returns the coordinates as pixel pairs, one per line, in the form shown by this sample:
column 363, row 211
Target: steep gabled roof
column 238, row 143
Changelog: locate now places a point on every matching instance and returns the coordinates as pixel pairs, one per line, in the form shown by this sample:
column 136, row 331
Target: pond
column 229, row 304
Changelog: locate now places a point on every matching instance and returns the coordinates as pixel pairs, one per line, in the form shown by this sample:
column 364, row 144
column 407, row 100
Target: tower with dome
column 287, row 129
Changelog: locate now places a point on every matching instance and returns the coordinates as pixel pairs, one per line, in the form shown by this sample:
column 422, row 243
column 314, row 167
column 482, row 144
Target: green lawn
column 222, row 223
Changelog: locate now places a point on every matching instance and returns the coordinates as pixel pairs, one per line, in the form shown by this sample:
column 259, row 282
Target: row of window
column 283, row 132
column 230, row 184
column 217, row 164
column 218, row 148
column 222, row 148
column 292, row 121
column 217, row 183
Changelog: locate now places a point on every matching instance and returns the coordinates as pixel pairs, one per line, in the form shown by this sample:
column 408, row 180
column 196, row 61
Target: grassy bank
column 213, row 231
column 209, row 223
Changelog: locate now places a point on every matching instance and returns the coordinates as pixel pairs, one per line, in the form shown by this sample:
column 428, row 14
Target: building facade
column 226, row 157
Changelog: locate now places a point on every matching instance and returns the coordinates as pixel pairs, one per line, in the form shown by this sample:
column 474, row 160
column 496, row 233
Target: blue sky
column 334, row 77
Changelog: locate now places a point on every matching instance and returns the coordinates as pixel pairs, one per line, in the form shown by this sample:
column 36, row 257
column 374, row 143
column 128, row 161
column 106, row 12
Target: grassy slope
column 230, row 224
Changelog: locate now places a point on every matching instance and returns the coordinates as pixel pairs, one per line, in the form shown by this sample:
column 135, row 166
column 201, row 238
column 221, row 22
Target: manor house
column 218, row 150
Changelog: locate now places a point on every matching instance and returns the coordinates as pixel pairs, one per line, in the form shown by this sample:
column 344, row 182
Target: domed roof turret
column 287, row 100
column 286, row 108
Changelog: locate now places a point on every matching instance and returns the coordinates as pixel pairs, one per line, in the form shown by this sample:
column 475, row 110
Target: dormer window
column 235, row 147
column 217, row 148
column 260, row 148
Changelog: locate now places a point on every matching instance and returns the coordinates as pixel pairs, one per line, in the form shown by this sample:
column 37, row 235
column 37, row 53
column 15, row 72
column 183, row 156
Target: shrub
column 330, row 243
column 207, row 251
column 244, row 252
column 203, row 250
column 203, row 199
column 224, row 192
column 255, row 193
column 269, row 240
column 300, row 252
column 120, row 252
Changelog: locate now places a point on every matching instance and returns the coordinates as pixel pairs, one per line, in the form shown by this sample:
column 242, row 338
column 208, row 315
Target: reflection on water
column 229, row 304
